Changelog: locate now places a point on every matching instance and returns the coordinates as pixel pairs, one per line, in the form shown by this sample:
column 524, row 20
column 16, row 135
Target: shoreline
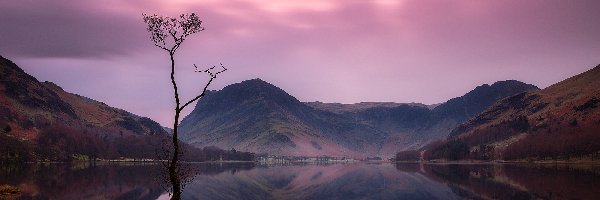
column 441, row 162
column 539, row 162
column 128, row 161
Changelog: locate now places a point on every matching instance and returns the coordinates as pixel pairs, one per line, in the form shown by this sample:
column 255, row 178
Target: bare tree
column 168, row 33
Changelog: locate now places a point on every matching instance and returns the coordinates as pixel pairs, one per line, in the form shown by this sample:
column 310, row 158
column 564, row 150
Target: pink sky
column 327, row 50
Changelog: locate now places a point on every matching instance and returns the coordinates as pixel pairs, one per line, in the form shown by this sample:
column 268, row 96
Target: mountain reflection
column 349, row 181
column 337, row 181
column 471, row 181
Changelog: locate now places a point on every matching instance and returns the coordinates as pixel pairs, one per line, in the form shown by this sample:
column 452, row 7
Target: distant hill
column 34, row 111
column 474, row 102
column 28, row 106
column 257, row 116
column 558, row 122
column 41, row 121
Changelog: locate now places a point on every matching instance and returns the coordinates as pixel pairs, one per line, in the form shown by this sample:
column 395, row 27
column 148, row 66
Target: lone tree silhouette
column 168, row 33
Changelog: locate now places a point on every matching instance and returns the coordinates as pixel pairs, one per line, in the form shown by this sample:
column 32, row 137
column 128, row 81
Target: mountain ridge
column 557, row 122
column 34, row 115
column 254, row 115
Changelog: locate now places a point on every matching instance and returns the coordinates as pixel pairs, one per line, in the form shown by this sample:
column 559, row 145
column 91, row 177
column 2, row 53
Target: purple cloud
column 327, row 50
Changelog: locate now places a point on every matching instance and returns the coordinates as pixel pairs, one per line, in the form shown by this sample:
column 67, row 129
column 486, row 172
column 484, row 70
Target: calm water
column 340, row 181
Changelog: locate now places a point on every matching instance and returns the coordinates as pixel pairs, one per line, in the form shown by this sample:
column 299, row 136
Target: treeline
column 12, row 150
column 582, row 144
column 61, row 143
column 456, row 149
column 551, row 141
column 64, row 144
column 577, row 145
column 448, row 150
column 215, row 154
column 474, row 146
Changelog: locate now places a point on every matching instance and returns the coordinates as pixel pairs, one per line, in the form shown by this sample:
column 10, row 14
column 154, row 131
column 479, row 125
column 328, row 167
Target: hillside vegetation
column 559, row 122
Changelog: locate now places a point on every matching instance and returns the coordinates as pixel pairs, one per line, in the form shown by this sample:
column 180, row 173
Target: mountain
column 257, row 116
column 474, row 102
column 28, row 106
column 559, row 122
column 41, row 121
column 446, row 116
column 411, row 126
column 32, row 112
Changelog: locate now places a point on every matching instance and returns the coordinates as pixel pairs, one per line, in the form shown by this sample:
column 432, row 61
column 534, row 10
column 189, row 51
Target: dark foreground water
column 340, row 181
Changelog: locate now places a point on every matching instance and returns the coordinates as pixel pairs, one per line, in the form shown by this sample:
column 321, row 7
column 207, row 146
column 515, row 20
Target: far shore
column 468, row 162
column 461, row 162
column 132, row 161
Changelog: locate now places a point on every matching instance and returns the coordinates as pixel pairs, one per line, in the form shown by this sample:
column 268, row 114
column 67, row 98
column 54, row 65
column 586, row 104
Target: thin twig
column 212, row 77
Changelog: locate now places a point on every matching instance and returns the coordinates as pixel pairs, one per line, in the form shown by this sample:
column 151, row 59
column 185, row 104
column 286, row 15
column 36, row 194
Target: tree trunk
column 174, row 164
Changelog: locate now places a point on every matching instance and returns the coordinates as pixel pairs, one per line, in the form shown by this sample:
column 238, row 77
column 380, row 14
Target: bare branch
column 213, row 75
column 162, row 47
column 209, row 72
column 223, row 70
column 177, row 44
column 198, row 97
column 161, row 27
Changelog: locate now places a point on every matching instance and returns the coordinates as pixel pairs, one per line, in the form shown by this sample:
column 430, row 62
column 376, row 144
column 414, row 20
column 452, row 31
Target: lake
column 309, row 181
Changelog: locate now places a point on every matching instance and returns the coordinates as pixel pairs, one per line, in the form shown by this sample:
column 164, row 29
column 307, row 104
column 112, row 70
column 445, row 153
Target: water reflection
column 514, row 181
column 340, row 181
column 96, row 181
column 81, row 181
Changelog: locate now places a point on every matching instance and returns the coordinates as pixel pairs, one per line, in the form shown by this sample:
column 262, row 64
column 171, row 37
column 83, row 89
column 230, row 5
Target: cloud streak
column 67, row 29
column 329, row 50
